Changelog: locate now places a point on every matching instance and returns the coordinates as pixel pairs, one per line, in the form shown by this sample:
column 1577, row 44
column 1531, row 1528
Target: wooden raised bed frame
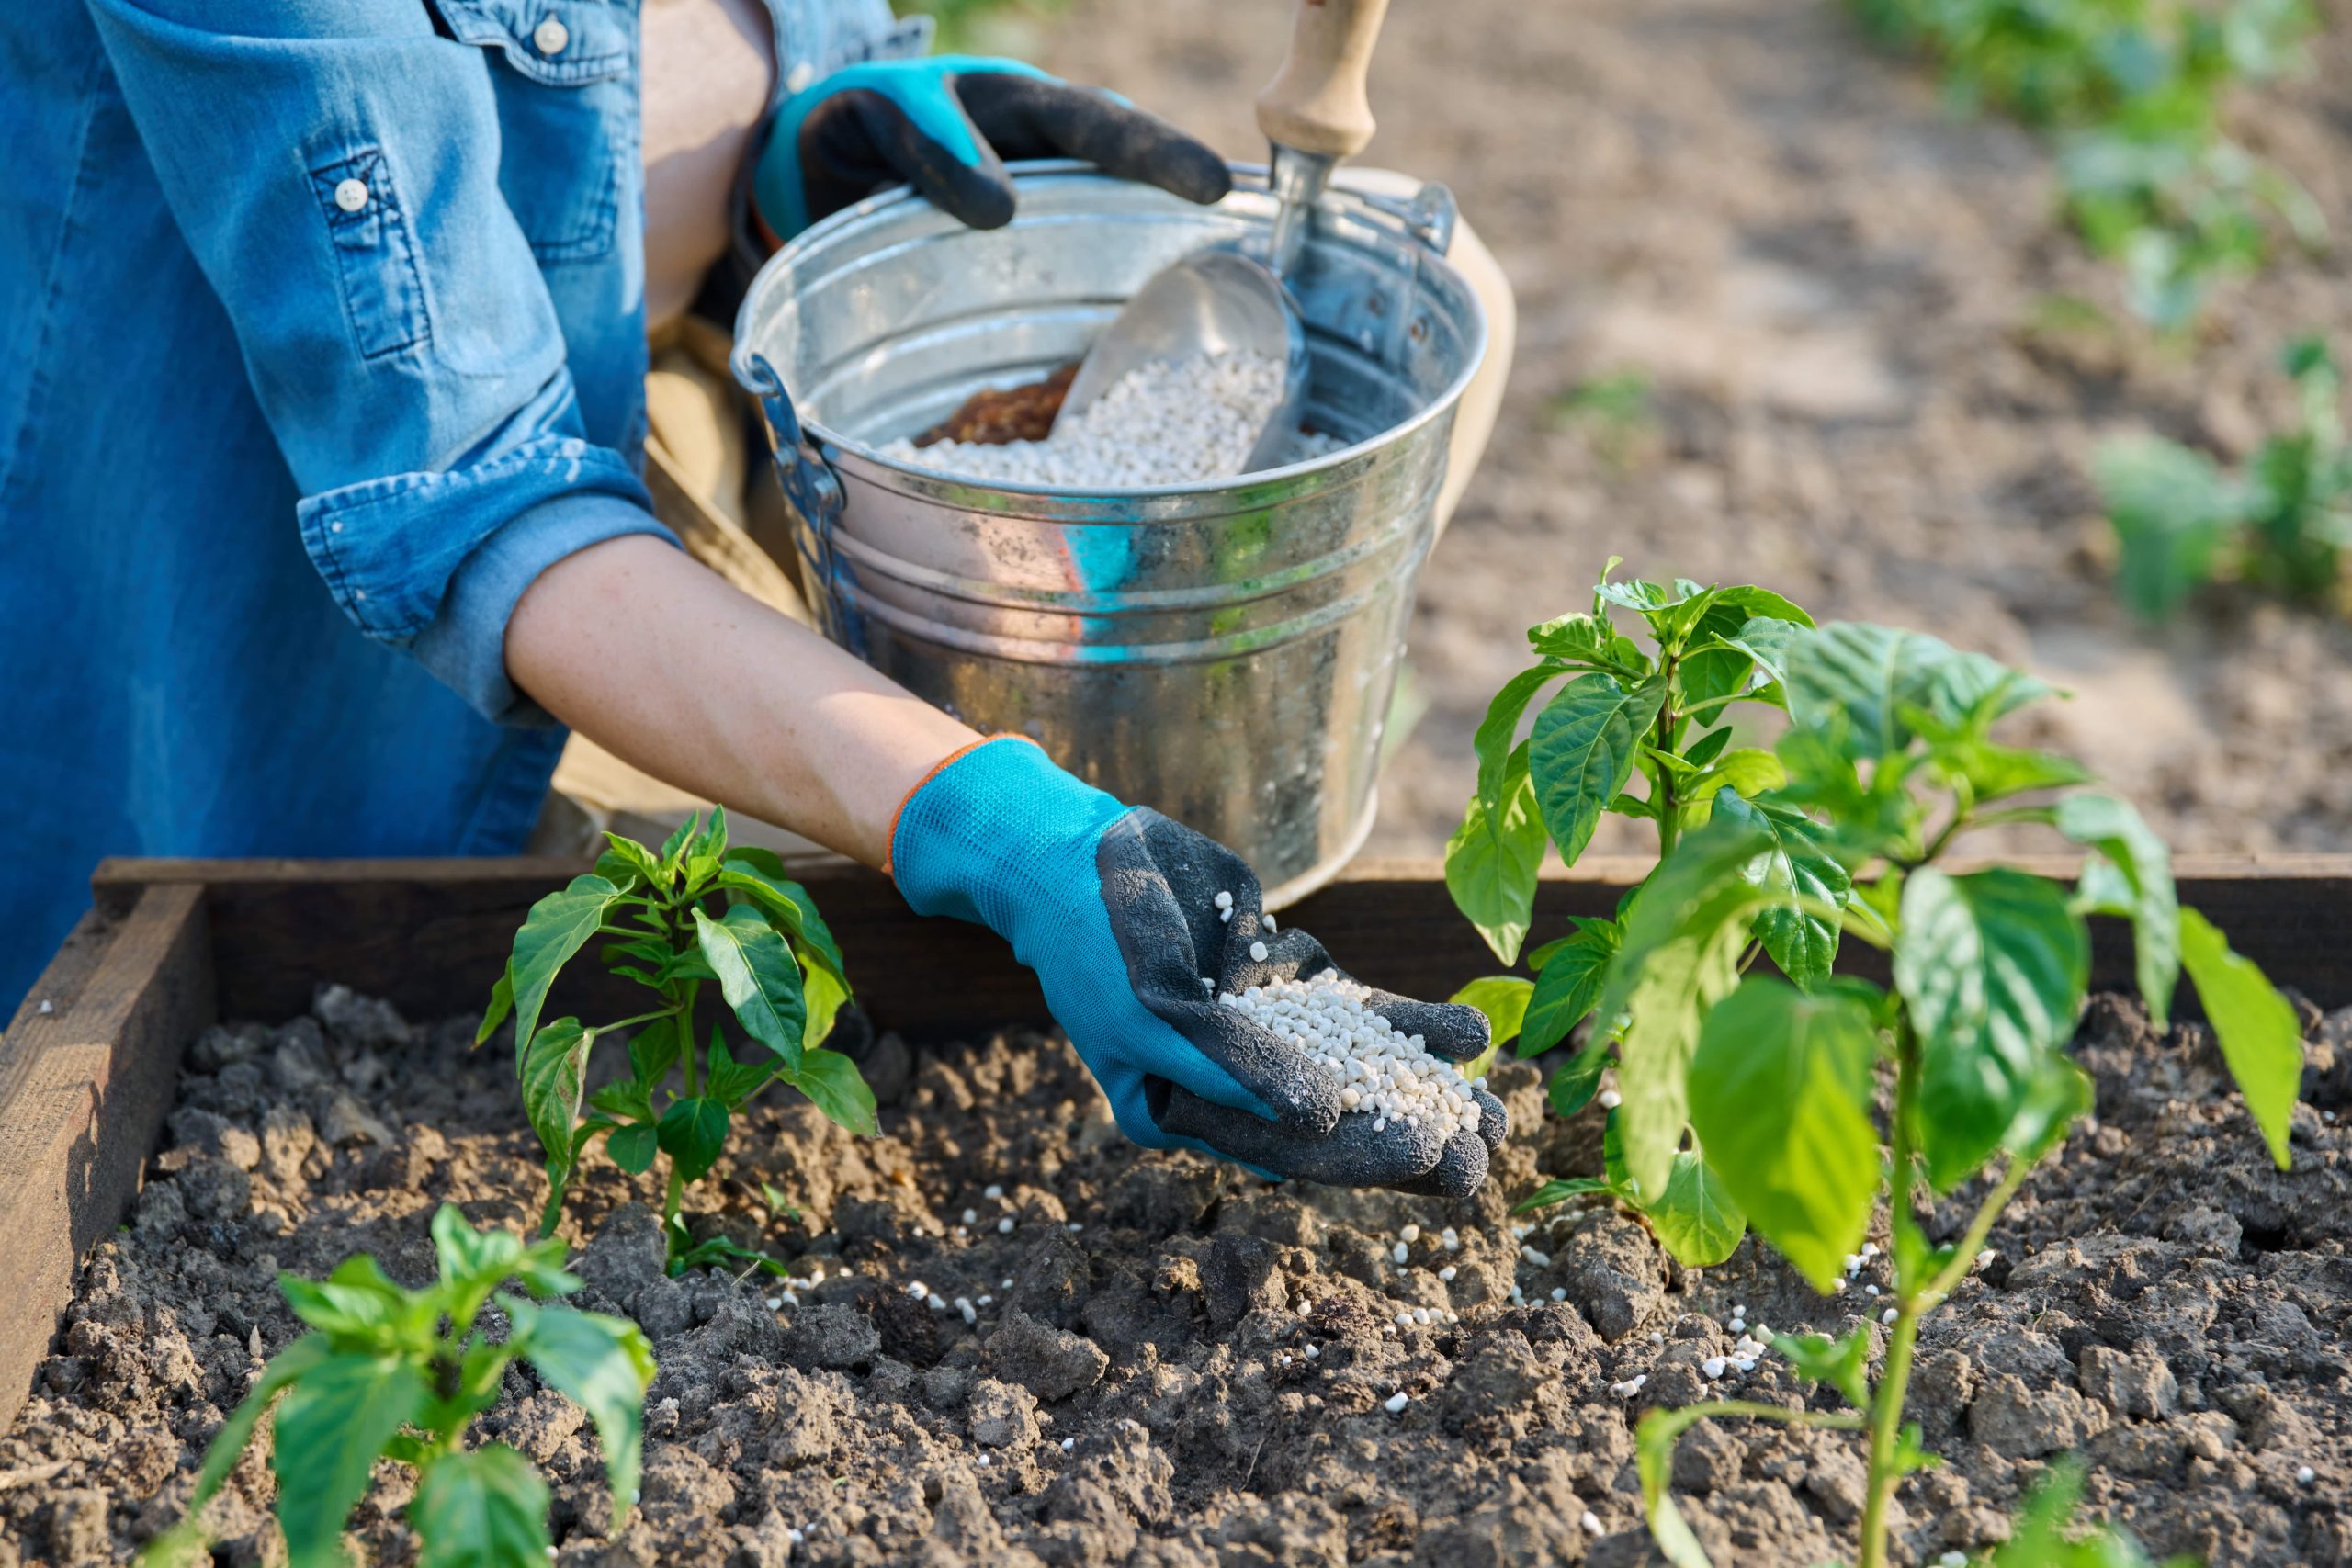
column 170, row 946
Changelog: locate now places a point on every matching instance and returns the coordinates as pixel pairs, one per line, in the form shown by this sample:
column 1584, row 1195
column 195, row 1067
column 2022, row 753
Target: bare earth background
column 1831, row 282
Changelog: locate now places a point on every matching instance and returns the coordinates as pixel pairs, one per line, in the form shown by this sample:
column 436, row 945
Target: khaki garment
column 698, row 463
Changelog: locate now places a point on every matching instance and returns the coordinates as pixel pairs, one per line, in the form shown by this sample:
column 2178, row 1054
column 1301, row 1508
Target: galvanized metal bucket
column 1223, row 651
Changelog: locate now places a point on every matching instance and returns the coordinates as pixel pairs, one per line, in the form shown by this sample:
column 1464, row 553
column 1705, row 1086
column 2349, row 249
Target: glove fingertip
column 1196, row 173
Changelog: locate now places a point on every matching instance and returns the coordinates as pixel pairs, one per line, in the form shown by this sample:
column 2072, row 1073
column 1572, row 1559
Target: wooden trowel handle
column 1316, row 102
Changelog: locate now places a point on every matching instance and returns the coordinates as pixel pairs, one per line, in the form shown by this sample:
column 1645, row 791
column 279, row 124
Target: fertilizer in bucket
column 1164, row 422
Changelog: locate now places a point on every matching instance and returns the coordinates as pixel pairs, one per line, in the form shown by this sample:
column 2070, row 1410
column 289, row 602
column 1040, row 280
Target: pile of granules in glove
column 1381, row 1073
column 1165, row 422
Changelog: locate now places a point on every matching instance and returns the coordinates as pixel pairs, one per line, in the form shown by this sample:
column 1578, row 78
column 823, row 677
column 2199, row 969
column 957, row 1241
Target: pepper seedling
column 1661, row 717
column 696, row 912
column 387, row 1372
column 1771, row 1080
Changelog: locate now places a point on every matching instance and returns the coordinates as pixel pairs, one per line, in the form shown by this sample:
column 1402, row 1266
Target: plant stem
column 1886, row 1429
column 673, row 1199
column 1886, row 1399
column 1669, row 829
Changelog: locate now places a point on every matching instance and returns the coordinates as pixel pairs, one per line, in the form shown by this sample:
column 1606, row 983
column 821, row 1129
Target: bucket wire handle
column 809, row 482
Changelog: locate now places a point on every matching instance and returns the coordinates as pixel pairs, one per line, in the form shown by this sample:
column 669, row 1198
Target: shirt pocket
column 562, row 72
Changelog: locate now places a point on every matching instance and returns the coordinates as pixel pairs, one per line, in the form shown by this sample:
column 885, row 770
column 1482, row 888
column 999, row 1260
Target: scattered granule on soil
column 1382, row 1073
column 1201, row 1374
column 1165, row 422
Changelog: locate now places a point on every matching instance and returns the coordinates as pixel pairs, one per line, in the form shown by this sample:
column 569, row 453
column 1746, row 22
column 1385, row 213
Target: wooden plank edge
column 84, row 1091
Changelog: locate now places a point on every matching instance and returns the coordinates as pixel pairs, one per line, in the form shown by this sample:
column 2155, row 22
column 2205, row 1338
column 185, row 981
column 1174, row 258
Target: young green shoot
column 1770, row 1079
column 1644, row 728
column 392, row 1373
column 696, row 913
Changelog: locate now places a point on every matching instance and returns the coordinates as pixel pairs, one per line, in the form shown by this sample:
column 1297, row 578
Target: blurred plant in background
column 976, row 27
column 2282, row 523
column 2131, row 92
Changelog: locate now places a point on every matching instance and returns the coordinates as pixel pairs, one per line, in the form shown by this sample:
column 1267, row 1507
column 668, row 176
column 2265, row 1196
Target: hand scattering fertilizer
column 1383, row 1074
column 1164, row 422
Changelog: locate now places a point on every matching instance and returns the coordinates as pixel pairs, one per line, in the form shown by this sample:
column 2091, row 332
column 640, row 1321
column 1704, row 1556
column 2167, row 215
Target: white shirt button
column 799, row 76
column 551, row 36
column 351, row 195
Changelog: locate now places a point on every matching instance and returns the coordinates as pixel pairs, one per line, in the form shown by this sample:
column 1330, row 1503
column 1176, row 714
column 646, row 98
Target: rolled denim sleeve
column 334, row 166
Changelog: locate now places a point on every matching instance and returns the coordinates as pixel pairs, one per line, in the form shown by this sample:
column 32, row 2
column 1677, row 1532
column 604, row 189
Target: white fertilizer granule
column 1165, row 422
column 1383, row 1074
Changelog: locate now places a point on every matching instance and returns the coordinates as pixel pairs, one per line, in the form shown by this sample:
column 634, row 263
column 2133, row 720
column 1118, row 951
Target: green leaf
column 758, row 976
column 502, row 1002
column 183, row 1543
column 1654, row 1460
column 1797, row 864
column 653, row 1050
column 1680, row 955
column 624, row 1101
column 335, row 1421
column 2172, row 508
column 1780, row 1098
column 1842, row 1363
column 824, row 996
column 554, row 1068
column 1761, row 604
column 1568, row 984
column 1588, row 640
column 1697, row 1218
column 1559, row 1189
column 2255, row 1025
column 1495, row 741
column 1635, row 595
column 360, row 1308
column 632, row 1147
column 1503, row 1000
column 831, row 1081
column 795, row 910
column 711, row 844
column 2113, row 827
column 1996, row 773
column 1573, row 1086
column 674, row 848
column 639, row 859
column 1490, row 866
column 1581, row 752
column 732, row 1082
column 692, row 1132
column 1852, row 682
column 1748, row 772
column 1992, row 966
column 603, row 1365
column 1707, row 747
column 471, row 1261
column 558, row 926
column 484, row 1507
column 2059, row 1096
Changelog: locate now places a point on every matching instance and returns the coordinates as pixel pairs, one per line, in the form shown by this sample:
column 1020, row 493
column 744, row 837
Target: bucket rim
column 1248, row 177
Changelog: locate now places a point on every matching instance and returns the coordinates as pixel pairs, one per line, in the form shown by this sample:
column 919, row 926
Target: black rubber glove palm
column 1160, row 883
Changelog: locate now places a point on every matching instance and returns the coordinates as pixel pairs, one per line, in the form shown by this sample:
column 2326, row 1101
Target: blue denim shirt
column 321, row 335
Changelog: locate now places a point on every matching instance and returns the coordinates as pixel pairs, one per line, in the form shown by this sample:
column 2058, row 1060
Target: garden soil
column 1173, row 1362
column 1841, row 292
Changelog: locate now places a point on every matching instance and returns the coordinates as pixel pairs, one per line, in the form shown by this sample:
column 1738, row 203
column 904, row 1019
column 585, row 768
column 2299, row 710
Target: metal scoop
column 1222, row 300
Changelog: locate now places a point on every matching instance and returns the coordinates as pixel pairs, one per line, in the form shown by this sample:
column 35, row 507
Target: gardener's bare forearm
column 672, row 669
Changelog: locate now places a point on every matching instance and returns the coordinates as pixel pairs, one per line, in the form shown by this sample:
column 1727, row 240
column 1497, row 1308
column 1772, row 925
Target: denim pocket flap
column 559, row 43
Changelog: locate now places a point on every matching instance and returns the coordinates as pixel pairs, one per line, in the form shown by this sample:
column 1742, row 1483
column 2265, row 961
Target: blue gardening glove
column 944, row 125
column 1113, row 906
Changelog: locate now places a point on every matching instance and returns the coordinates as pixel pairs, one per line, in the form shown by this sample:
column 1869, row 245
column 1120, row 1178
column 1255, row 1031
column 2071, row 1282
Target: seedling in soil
column 2132, row 91
column 1627, row 716
column 1770, row 1080
column 393, row 1373
column 2282, row 523
column 696, row 912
